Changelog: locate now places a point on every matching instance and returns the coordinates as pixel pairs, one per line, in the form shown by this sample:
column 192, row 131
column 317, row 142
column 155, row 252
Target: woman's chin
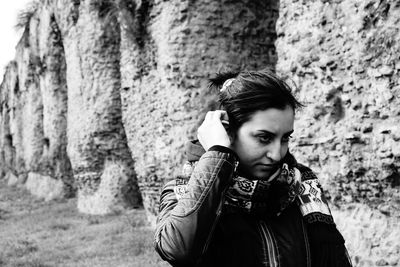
column 257, row 172
column 260, row 174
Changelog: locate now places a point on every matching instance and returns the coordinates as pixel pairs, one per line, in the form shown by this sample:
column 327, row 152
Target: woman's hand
column 212, row 132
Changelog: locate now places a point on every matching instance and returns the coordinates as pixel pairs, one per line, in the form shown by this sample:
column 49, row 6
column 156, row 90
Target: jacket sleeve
column 185, row 225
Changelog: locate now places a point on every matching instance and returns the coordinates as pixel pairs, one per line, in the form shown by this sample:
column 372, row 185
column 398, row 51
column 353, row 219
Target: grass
column 35, row 233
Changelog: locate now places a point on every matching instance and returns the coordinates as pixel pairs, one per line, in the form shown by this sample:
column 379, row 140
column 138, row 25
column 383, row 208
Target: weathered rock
column 97, row 146
column 7, row 142
column 168, row 51
column 101, row 89
column 360, row 39
column 377, row 97
column 55, row 161
column 370, row 235
column 27, row 128
column 11, row 179
column 52, row 102
column 21, row 105
column 45, row 187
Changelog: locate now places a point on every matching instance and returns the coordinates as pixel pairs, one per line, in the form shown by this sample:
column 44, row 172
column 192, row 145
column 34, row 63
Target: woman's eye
column 264, row 139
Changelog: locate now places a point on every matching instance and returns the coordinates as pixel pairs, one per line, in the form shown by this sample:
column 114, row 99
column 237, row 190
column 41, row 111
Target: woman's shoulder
column 306, row 172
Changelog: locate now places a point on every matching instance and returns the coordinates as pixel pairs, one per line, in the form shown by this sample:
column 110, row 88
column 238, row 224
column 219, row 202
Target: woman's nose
column 274, row 152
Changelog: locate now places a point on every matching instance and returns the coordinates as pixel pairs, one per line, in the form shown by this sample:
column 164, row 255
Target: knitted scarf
column 273, row 195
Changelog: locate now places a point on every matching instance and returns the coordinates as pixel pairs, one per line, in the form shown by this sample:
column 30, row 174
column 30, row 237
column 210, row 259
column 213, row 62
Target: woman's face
column 262, row 141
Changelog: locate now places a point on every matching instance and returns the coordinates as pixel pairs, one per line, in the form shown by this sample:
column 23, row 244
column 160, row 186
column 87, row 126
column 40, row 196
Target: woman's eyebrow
column 265, row 132
column 273, row 134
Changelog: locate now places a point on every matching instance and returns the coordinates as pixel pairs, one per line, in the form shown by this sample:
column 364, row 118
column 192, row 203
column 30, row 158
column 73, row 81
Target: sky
column 9, row 35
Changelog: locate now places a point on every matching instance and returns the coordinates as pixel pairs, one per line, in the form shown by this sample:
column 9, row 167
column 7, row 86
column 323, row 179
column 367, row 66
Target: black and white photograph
column 200, row 133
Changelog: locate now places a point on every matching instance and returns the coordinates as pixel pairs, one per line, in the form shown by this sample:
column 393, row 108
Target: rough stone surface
column 96, row 136
column 11, row 179
column 101, row 92
column 52, row 70
column 343, row 56
column 7, row 145
column 21, row 106
column 372, row 238
column 45, row 187
column 168, row 51
column 27, row 123
column 61, row 115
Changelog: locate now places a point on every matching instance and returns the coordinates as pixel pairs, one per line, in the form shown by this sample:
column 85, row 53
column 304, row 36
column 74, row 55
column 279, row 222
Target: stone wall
column 89, row 71
column 102, row 95
column 53, row 88
column 7, row 142
column 372, row 238
column 61, row 117
column 345, row 62
column 33, row 112
column 97, row 147
column 168, row 51
column 343, row 57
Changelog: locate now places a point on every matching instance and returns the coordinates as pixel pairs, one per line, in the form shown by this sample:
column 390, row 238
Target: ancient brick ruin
column 103, row 94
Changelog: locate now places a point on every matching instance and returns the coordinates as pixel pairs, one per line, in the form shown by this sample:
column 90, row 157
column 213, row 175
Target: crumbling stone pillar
column 26, row 120
column 55, row 166
column 7, row 144
column 97, row 147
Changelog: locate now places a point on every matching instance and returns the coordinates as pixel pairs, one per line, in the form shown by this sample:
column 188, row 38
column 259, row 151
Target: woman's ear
column 232, row 136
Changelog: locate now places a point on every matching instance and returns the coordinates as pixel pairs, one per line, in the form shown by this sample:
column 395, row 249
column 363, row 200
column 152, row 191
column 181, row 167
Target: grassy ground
column 39, row 234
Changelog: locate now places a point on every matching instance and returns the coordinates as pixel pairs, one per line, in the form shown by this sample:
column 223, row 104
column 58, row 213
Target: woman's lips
column 267, row 166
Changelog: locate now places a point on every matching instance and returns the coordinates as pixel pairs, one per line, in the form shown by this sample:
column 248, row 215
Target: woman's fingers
column 224, row 117
column 212, row 132
column 219, row 115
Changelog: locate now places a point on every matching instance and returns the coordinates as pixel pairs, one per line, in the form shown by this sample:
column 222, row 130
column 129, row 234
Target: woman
column 243, row 200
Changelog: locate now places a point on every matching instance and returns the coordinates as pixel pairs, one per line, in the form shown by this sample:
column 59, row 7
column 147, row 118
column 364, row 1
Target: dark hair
column 245, row 93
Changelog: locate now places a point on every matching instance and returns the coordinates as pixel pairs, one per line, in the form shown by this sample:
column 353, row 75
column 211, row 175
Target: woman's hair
column 241, row 94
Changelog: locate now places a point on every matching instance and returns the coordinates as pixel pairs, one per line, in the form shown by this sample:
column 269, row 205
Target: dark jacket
column 196, row 231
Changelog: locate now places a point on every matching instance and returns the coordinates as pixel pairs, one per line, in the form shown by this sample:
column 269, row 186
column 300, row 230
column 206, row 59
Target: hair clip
column 226, row 84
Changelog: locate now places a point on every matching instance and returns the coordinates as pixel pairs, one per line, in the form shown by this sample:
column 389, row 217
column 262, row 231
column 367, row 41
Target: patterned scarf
column 287, row 185
column 271, row 196
column 293, row 182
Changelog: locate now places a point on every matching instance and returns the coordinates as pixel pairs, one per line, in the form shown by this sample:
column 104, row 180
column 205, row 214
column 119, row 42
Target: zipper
column 235, row 167
column 219, row 210
column 269, row 245
column 307, row 244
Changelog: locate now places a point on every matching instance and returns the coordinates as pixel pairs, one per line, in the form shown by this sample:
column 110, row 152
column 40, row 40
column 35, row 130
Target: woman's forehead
column 272, row 120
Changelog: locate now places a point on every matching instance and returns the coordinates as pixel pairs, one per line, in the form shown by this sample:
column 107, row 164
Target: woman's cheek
column 284, row 150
